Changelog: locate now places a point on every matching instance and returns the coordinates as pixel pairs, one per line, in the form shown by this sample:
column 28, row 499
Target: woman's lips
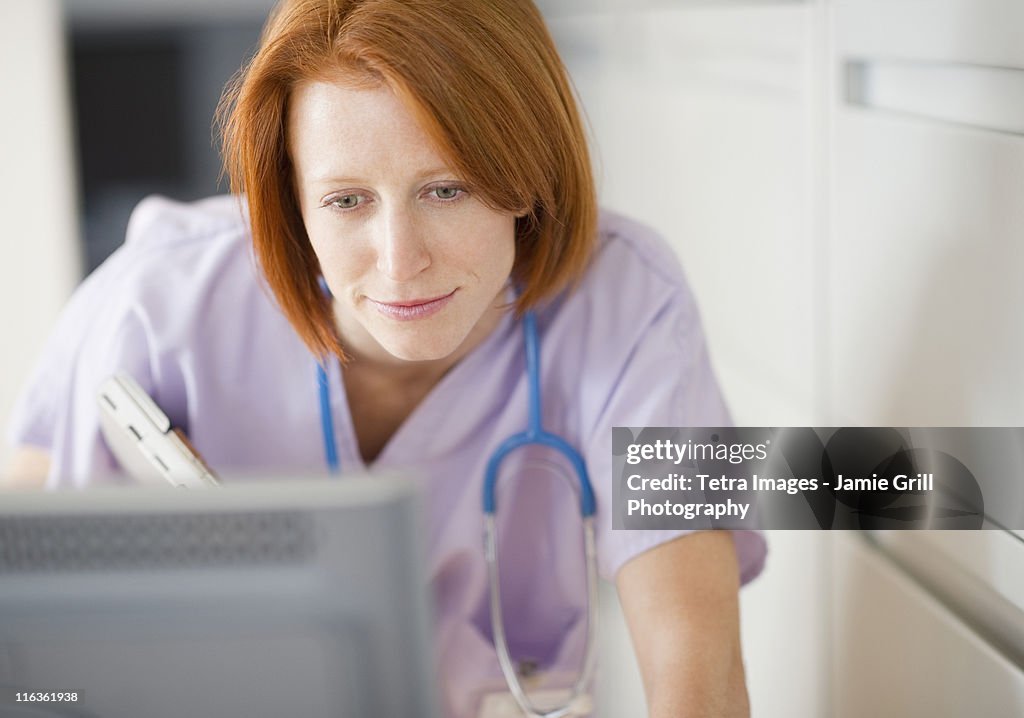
column 415, row 309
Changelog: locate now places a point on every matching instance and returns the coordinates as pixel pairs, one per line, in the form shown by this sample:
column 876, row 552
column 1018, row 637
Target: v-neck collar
column 351, row 459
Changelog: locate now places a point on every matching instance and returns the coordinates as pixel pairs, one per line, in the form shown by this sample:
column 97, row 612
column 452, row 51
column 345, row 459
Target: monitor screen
column 277, row 598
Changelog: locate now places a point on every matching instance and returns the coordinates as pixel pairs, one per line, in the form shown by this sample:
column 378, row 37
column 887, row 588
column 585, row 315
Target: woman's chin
column 418, row 351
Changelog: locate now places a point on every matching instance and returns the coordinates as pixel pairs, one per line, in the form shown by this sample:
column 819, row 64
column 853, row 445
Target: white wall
column 39, row 256
column 708, row 123
column 702, row 118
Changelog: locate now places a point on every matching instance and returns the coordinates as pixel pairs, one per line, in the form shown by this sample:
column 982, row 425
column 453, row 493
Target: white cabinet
column 980, row 32
column 924, row 279
column 977, row 574
column 925, row 244
column 856, row 254
column 899, row 652
column 924, row 304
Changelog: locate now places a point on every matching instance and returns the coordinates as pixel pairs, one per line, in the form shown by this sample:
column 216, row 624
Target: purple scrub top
column 182, row 308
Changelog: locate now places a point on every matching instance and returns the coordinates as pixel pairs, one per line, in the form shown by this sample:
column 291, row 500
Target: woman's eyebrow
column 418, row 177
column 435, row 171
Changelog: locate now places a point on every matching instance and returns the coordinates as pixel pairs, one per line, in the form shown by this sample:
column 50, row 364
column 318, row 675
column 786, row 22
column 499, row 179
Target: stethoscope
column 578, row 702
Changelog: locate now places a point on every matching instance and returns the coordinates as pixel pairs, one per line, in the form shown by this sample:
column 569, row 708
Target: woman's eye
column 446, row 193
column 347, row 201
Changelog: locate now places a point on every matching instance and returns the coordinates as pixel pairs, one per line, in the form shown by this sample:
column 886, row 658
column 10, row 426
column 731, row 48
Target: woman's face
column 416, row 263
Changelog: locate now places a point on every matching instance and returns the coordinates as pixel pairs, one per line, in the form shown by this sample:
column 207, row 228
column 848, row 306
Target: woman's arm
column 26, row 469
column 681, row 602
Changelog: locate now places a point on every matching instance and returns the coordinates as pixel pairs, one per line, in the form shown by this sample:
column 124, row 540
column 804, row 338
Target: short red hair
column 487, row 84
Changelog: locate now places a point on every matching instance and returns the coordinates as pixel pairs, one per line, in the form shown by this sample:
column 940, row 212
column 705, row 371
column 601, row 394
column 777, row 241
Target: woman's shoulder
column 180, row 307
column 182, row 263
column 170, row 240
column 183, row 282
column 632, row 318
column 158, row 221
column 632, row 275
column 626, row 244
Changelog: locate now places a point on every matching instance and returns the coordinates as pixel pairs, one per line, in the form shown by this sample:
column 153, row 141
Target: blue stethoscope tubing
column 578, row 703
column 535, row 433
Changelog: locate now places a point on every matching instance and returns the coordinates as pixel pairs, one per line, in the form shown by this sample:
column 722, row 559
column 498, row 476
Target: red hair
column 486, row 83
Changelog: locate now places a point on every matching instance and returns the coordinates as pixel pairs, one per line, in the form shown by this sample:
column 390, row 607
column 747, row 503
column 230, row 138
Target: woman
column 416, row 178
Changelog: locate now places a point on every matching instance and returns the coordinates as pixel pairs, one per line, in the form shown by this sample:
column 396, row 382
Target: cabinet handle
column 976, row 96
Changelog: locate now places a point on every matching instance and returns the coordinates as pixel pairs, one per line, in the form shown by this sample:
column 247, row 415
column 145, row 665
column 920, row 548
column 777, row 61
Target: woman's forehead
column 336, row 128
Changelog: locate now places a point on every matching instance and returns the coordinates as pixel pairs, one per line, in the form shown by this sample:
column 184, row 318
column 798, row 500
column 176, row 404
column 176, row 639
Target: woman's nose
column 402, row 252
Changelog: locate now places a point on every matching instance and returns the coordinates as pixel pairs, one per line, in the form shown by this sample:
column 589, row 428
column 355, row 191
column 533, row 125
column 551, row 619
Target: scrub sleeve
column 142, row 312
column 646, row 344
column 673, row 346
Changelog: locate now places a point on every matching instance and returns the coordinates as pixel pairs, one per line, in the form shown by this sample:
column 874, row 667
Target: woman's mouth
column 407, row 310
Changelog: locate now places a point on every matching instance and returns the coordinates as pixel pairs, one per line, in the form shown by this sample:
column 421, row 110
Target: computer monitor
column 283, row 598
